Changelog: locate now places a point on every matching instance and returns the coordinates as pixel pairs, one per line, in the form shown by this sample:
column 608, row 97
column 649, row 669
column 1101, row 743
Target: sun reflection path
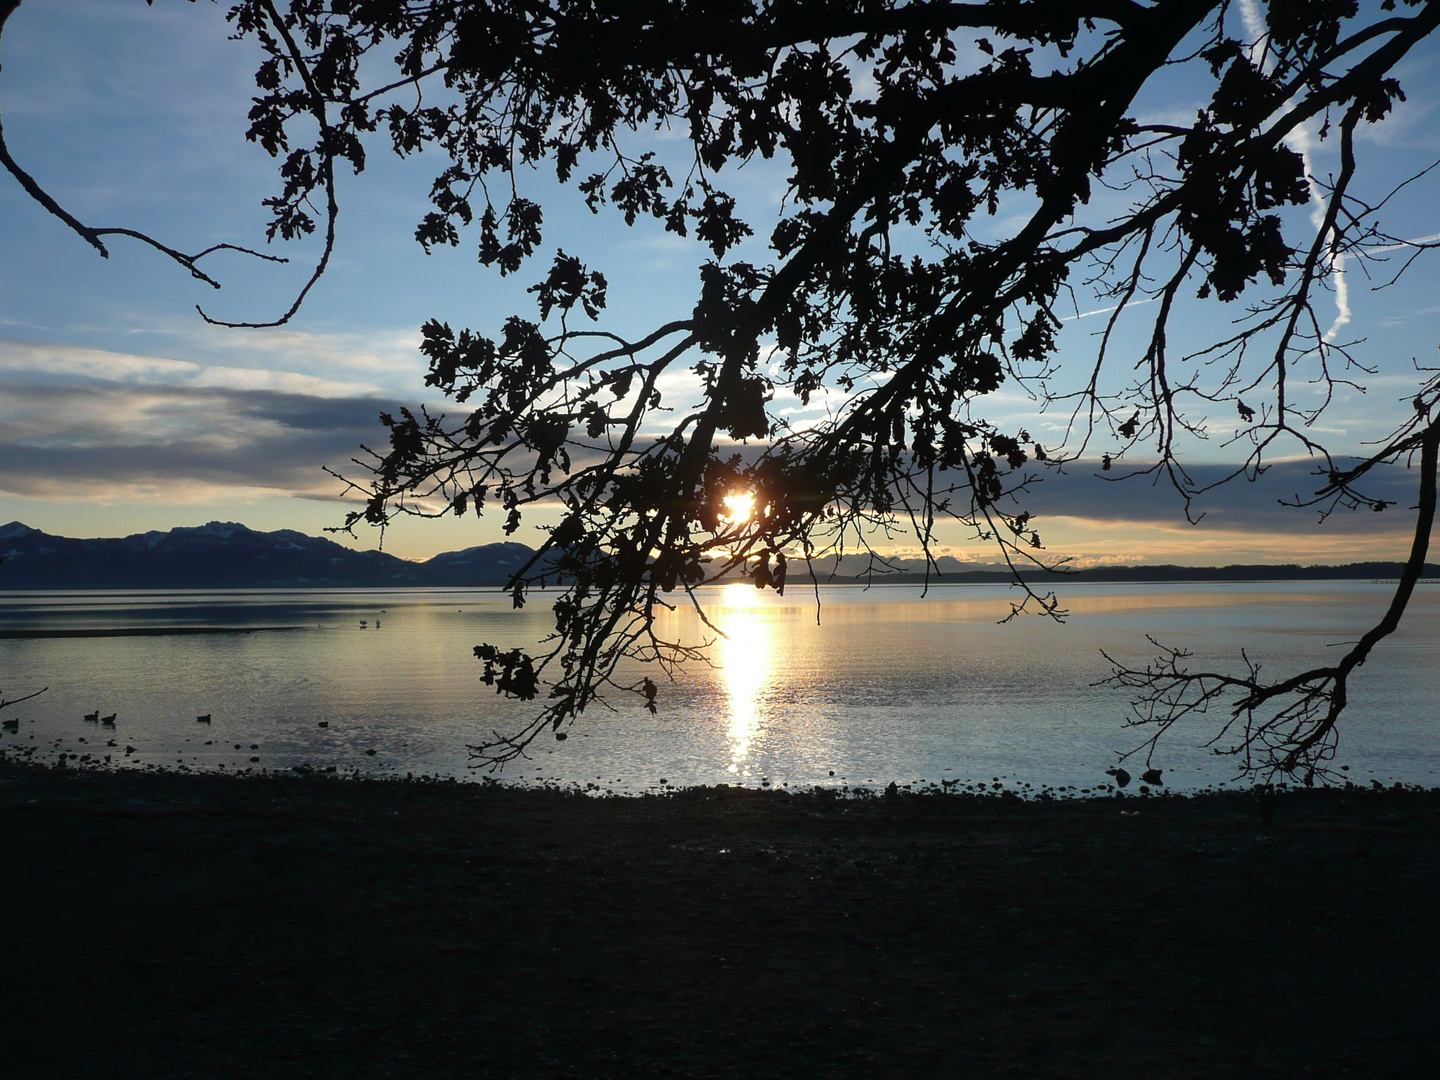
column 745, row 655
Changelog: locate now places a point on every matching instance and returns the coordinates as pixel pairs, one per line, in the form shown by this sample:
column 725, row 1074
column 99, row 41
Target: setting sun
column 739, row 507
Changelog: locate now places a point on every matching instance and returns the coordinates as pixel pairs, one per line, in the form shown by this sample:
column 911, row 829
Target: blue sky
column 121, row 411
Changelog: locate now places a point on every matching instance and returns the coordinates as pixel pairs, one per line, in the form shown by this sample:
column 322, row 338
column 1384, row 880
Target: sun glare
column 745, row 666
column 739, row 507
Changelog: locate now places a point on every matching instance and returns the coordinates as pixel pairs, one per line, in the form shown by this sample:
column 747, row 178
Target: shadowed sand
column 161, row 925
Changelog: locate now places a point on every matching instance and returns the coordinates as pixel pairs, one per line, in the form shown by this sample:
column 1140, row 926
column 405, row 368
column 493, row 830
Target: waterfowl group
column 1149, row 776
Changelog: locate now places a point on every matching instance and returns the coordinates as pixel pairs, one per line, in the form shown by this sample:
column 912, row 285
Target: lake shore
column 168, row 925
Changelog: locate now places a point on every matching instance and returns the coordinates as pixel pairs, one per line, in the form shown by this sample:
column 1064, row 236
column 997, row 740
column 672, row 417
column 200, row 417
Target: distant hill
column 988, row 575
column 852, row 570
column 227, row 555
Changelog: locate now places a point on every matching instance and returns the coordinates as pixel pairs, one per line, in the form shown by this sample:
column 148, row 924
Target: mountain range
column 227, row 555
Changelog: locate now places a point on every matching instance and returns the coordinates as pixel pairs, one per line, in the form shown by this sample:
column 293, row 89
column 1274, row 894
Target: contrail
column 1300, row 140
column 1417, row 242
column 1107, row 310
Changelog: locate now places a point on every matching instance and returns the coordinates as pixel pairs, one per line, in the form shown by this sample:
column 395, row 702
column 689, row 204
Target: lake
column 890, row 685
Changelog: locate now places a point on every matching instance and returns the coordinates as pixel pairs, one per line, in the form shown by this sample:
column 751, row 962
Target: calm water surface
column 889, row 686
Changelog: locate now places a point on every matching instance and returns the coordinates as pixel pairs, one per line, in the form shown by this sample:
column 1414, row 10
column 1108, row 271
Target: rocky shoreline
column 164, row 925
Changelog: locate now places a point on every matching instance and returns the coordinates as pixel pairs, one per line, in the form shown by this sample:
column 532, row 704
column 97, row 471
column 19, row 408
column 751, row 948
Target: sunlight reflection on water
column 884, row 686
column 745, row 663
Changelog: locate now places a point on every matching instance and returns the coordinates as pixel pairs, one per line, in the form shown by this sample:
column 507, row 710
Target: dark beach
column 162, row 925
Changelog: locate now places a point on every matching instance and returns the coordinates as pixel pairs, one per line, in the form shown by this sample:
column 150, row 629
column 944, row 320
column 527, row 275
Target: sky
column 121, row 411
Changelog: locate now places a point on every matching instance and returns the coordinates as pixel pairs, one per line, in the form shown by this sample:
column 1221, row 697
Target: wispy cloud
column 90, row 424
column 1301, row 140
column 391, row 357
column 1107, row 310
column 45, row 364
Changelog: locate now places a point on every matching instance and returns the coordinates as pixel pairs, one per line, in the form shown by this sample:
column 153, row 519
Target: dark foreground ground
column 159, row 926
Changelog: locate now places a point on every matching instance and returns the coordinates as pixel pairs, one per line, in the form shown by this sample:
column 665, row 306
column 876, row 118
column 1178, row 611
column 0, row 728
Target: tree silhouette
column 5, row 703
column 959, row 174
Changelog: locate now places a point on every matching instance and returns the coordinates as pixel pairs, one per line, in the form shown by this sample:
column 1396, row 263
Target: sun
column 739, row 507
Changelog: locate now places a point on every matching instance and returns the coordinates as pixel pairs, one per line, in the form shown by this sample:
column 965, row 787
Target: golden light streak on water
column 745, row 661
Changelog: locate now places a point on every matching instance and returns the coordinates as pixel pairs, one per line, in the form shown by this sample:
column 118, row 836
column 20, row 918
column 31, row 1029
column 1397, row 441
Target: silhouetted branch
column 908, row 346
column 940, row 216
column 92, row 236
column 1288, row 725
column 5, row 702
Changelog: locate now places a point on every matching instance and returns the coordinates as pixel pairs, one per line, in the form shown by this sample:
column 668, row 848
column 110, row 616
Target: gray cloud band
column 83, row 439
column 75, row 439
column 1240, row 504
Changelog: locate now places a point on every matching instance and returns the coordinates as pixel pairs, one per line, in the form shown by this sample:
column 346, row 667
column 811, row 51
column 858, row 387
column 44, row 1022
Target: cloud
column 1107, row 310
column 664, row 252
column 1408, row 124
column 179, row 443
column 1302, row 141
column 102, row 426
column 52, row 364
column 1255, row 507
column 389, row 358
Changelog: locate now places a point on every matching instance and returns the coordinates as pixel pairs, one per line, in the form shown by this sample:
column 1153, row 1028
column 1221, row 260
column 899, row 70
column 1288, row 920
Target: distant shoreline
column 227, row 555
column 140, row 631
column 1370, row 573
column 1131, row 575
